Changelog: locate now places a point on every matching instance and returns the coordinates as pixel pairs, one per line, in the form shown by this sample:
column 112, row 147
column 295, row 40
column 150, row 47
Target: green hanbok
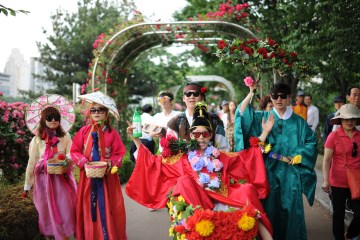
column 289, row 136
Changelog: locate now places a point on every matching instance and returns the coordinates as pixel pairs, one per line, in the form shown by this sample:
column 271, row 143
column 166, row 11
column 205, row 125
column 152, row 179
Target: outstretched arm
column 248, row 98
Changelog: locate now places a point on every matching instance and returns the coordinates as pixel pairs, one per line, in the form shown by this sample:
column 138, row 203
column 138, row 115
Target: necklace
column 207, row 166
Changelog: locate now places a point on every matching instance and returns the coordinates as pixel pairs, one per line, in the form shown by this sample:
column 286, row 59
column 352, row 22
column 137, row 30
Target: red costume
column 114, row 202
column 154, row 177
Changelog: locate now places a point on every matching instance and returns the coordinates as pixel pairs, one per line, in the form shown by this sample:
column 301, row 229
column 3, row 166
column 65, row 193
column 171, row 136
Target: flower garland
column 196, row 223
column 208, row 167
column 255, row 142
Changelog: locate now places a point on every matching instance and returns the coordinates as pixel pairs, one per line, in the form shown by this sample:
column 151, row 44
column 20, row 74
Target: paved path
column 144, row 224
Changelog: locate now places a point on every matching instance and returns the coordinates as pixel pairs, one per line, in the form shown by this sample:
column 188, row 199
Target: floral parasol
column 64, row 106
column 102, row 99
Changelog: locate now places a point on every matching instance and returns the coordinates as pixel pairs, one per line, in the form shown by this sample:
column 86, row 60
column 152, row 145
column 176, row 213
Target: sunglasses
column 163, row 98
column 198, row 134
column 354, row 150
column 100, row 110
column 188, row 94
column 280, row 126
column 49, row 118
column 276, row 96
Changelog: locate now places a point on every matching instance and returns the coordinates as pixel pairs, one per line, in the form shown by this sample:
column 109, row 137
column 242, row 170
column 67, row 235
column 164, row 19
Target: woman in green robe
column 290, row 136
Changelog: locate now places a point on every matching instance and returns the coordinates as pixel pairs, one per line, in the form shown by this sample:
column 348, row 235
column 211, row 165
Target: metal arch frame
column 139, row 25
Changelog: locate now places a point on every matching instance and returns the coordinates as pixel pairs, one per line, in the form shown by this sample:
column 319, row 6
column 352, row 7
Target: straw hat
column 347, row 111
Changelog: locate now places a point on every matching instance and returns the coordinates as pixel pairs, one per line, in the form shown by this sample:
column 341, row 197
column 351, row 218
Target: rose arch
column 126, row 44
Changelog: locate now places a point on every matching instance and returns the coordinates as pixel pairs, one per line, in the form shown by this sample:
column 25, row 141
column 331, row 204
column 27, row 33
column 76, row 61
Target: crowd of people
column 208, row 175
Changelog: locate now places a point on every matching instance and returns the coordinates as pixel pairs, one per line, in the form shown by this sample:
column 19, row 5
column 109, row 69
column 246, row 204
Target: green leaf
column 4, row 11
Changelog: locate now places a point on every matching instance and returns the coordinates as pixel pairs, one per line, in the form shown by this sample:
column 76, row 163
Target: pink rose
column 248, row 81
column 215, row 152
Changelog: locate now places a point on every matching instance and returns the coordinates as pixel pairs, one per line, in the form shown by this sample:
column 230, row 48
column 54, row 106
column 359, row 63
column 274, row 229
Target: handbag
column 353, row 175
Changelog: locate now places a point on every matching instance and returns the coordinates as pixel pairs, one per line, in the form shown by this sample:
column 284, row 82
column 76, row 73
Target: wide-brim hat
column 347, row 111
column 102, row 99
column 60, row 103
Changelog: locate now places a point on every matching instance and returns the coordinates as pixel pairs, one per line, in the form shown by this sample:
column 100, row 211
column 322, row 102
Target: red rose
column 254, row 142
column 61, row 157
column 222, row 44
column 203, row 90
column 164, row 143
column 166, row 152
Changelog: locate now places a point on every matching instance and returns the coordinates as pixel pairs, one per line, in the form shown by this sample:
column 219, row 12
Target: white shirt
column 224, row 118
column 312, row 117
column 161, row 120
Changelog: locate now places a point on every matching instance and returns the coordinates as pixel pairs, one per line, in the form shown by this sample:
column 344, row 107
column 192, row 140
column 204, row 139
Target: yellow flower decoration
column 180, row 215
column 267, row 148
column 181, row 199
column 114, row 169
column 246, row 223
column 182, row 237
column 205, row 228
column 296, row 159
column 171, row 231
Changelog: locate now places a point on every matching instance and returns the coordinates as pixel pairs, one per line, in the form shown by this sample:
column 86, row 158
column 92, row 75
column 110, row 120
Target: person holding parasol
column 96, row 148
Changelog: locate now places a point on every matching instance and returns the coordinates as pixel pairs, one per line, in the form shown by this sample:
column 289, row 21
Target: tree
column 13, row 12
column 69, row 49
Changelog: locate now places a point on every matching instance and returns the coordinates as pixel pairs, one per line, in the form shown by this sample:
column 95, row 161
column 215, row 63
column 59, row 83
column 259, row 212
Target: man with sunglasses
column 289, row 136
column 179, row 126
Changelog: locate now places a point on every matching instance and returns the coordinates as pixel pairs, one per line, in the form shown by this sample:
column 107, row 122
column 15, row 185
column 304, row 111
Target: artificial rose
column 164, row 143
column 254, row 142
column 203, row 90
column 166, row 152
column 248, row 81
column 61, row 156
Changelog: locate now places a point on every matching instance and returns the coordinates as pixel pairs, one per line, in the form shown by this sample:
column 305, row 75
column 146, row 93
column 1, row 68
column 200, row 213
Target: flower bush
column 14, row 140
column 262, row 56
column 188, row 222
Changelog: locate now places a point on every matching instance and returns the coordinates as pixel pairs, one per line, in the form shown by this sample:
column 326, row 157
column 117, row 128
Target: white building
column 19, row 72
column 37, row 85
column 5, row 84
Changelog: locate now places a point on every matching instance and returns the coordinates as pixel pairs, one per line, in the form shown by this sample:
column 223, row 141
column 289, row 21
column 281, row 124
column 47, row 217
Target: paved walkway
column 144, row 224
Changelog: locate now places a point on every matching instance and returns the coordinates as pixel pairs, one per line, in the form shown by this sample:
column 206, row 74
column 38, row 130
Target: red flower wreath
column 203, row 90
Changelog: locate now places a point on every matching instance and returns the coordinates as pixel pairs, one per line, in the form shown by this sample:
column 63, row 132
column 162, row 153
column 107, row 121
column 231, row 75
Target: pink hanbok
column 54, row 194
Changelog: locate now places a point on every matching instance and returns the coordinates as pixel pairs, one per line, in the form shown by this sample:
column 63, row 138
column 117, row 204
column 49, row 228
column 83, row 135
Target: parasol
column 64, row 106
column 102, row 99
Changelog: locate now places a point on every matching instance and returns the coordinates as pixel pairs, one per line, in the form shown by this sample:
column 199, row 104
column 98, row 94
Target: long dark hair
column 42, row 125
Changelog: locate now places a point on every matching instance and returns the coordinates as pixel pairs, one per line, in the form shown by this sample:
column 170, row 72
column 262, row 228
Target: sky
column 24, row 30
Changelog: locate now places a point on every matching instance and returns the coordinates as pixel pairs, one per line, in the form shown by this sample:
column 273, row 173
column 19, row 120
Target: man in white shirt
column 166, row 101
column 179, row 125
column 312, row 113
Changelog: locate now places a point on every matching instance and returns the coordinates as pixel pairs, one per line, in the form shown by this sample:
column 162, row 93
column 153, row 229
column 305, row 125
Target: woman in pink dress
column 100, row 210
column 54, row 194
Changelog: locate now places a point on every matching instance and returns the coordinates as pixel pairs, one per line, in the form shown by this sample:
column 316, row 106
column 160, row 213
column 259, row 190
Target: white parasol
column 102, row 99
column 64, row 106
